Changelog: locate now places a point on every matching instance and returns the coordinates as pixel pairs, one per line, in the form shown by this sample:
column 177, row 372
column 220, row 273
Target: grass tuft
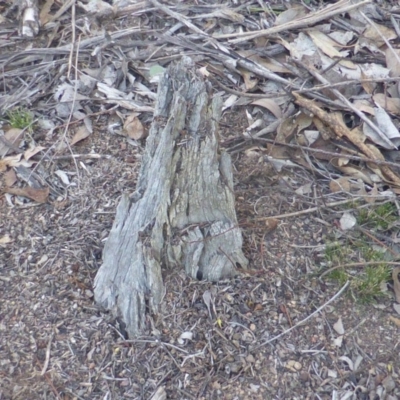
column 20, row 119
column 367, row 282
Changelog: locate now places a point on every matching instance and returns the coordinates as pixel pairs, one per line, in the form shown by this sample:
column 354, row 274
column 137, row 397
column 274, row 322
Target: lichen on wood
column 182, row 213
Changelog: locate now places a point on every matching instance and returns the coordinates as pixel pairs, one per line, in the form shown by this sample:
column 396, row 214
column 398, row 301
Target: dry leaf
column 32, row 151
column 5, row 239
column 133, row 128
column 348, row 361
column 250, row 81
column 311, row 136
column 364, row 105
column 286, row 130
column 374, row 36
column 338, row 341
column 11, row 161
column 95, row 6
column 63, row 176
column 229, row 102
column 395, row 320
column 203, row 71
column 272, row 64
column 81, row 133
column 271, row 224
column 386, row 125
column 338, row 326
column 10, row 177
column 340, row 185
column 304, row 189
column 355, row 171
column 270, row 105
column 207, row 298
column 347, row 221
column 291, row 14
column 327, row 46
column 393, row 61
column 390, row 104
column 14, row 137
column 369, row 87
column 38, row 195
column 160, row 394
column 45, row 15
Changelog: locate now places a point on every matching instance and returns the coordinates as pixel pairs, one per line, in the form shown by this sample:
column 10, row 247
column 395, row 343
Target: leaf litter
column 311, row 115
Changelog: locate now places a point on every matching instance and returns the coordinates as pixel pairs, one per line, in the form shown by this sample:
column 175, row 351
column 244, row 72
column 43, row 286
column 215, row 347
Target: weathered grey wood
column 182, row 213
column 28, row 15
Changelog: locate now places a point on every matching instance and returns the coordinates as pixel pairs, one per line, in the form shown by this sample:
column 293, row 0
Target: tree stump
column 183, row 210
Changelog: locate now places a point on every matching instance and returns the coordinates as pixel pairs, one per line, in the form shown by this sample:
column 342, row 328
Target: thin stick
column 306, row 21
column 244, row 94
column 47, row 360
column 179, row 17
column 344, row 100
column 307, row 318
column 396, row 56
column 310, row 210
column 346, row 83
column 365, row 232
column 328, row 153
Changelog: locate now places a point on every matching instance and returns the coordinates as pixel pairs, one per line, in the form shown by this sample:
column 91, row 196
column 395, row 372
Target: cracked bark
column 183, row 210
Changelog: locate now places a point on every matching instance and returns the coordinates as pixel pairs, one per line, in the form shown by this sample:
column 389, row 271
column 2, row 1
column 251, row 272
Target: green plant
column 358, row 258
column 369, row 283
column 335, row 252
column 20, row 118
column 379, row 218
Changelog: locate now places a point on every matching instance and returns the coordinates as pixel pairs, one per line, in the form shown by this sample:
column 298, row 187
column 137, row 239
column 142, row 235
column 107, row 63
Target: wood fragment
column 182, row 213
column 396, row 283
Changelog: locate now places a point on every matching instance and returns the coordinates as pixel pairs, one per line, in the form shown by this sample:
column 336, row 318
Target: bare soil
column 56, row 344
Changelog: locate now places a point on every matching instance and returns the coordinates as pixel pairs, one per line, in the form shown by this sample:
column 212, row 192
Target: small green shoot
column 346, row 257
column 20, row 118
column 369, row 283
column 378, row 218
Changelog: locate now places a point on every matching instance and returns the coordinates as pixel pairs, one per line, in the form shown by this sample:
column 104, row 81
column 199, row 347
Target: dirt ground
column 55, row 343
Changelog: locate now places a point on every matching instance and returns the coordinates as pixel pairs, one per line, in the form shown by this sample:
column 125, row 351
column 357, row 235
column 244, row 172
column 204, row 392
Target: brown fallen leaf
column 341, row 184
column 45, row 15
column 11, row 161
column 390, row 104
column 395, row 320
column 335, row 122
column 250, row 81
column 396, row 284
column 378, row 34
column 10, row 177
column 5, row 239
column 32, row 151
column 133, row 128
column 271, row 224
column 38, row 195
column 12, row 139
column 81, row 133
column 270, row 105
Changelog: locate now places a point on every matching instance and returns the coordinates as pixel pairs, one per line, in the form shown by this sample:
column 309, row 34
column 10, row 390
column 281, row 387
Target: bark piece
column 182, row 212
column 28, row 15
column 396, row 283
